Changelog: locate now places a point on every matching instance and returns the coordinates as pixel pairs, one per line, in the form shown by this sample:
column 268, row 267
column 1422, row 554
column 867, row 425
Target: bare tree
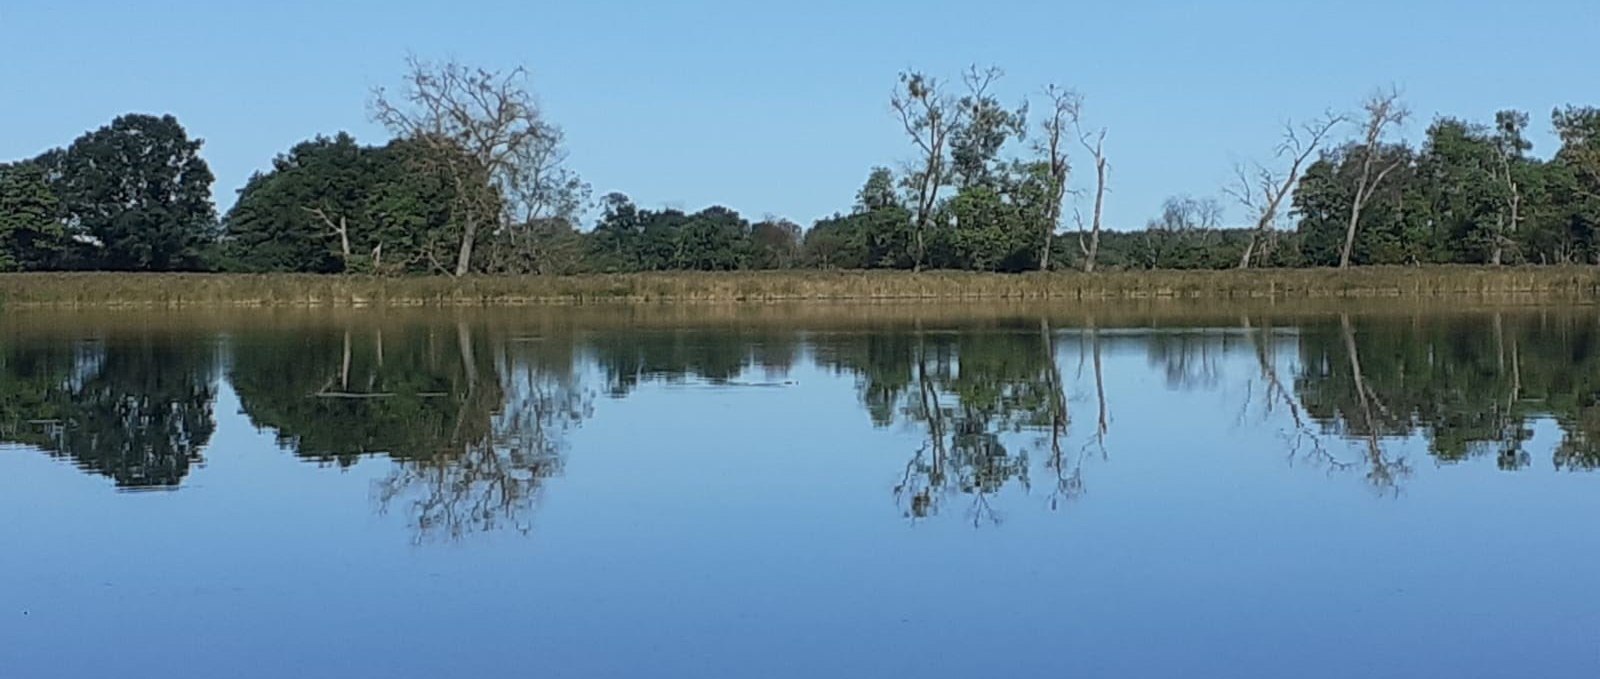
column 1096, row 145
column 1262, row 190
column 485, row 134
column 929, row 116
column 1065, row 107
column 1185, row 222
column 1384, row 111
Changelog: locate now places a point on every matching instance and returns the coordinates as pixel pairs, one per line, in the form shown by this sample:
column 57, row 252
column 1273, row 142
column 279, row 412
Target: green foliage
column 838, row 242
column 775, row 244
column 466, row 190
column 285, row 219
column 32, row 236
column 137, row 194
column 715, row 239
column 1393, row 228
column 333, row 206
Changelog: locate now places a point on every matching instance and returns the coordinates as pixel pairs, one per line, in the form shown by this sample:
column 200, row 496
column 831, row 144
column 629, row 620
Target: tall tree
column 1095, row 144
column 139, row 193
column 1577, row 172
column 483, row 128
column 1065, row 107
column 1384, row 111
column 929, row 116
column 1510, row 145
column 1459, row 175
column 881, row 222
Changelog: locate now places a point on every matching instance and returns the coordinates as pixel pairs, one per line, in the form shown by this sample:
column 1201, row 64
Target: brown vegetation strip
column 110, row 290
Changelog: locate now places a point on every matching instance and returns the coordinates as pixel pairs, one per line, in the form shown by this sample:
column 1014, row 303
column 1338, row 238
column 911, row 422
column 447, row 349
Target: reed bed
column 126, row 290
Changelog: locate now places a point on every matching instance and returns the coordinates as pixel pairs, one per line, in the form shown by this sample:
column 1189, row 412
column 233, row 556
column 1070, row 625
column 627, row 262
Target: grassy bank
column 112, row 290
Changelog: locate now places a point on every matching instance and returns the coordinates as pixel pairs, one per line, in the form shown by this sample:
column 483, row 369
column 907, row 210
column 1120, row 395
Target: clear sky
column 781, row 107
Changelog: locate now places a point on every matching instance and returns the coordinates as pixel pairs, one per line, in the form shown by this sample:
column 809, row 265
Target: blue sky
column 781, row 108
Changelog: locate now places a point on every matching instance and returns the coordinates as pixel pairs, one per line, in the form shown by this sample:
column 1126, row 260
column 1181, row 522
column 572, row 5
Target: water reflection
column 474, row 421
column 476, row 414
column 137, row 410
column 966, row 393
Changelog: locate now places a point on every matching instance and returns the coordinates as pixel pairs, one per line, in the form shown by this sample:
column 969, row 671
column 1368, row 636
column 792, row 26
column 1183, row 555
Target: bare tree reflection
column 492, row 477
column 1383, row 473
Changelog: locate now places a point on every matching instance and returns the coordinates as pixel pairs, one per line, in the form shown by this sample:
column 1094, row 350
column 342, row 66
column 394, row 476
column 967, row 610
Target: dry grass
column 112, row 290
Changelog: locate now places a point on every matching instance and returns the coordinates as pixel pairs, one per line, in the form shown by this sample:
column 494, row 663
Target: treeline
column 474, row 180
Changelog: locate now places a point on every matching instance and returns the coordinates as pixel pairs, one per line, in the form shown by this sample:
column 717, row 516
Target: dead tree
column 1065, row 106
column 1384, row 111
column 1262, row 190
column 1097, row 152
column 484, row 133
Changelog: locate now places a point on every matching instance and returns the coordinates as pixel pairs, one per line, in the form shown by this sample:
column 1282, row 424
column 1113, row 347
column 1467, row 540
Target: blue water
column 766, row 498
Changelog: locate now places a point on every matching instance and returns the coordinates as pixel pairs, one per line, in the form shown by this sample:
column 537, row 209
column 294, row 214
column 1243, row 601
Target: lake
column 1383, row 489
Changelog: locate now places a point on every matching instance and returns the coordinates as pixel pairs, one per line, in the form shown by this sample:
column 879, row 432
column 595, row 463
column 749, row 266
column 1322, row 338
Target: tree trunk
column 1499, row 246
column 1249, row 249
column 464, row 257
column 1099, row 206
column 1350, row 233
column 344, row 242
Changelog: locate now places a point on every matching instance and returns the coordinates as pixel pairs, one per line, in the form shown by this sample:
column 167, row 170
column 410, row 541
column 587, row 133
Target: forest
column 475, row 181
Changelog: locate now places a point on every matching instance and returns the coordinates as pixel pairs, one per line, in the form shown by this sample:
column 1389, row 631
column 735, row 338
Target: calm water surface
column 801, row 492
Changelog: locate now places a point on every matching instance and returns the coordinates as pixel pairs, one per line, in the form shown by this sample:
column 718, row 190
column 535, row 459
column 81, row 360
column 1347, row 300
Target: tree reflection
column 719, row 357
column 1470, row 386
column 137, row 410
column 970, row 394
column 475, row 421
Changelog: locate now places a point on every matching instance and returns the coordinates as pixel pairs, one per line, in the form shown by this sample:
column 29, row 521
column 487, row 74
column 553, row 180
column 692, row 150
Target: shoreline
column 194, row 290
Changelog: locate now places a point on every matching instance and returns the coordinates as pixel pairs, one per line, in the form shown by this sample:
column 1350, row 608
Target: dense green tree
column 138, row 194
column 1393, row 227
column 837, row 242
column 312, row 212
column 330, row 205
column 713, row 239
column 1575, row 177
column 32, row 235
column 995, row 224
column 774, row 244
column 1458, row 175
